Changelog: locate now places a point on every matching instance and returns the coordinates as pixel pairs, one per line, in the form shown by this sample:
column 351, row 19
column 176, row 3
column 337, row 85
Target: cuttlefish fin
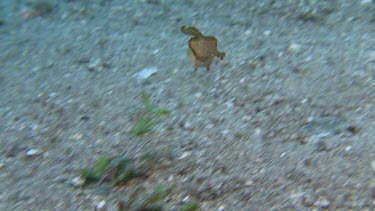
column 191, row 30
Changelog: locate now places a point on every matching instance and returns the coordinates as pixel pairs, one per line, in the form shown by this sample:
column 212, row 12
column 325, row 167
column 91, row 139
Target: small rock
column 373, row 165
column 94, row 64
column 267, row 33
column 221, row 208
column 258, row 132
column 76, row 136
column 353, row 129
column 33, row 152
column 100, row 206
column 187, row 126
column 348, row 148
column 186, row 200
column 322, row 202
column 307, row 162
column 184, row 155
column 246, row 118
column 249, row 182
column 13, row 150
column 225, row 132
column 61, row 179
column 247, row 32
column 294, row 48
column 325, row 134
column 77, row 181
column 308, row 199
column 310, row 119
column 198, row 95
column 321, row 146
column 146, row 73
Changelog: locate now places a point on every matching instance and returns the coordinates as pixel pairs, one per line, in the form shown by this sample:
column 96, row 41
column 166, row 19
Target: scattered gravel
column 284, row 122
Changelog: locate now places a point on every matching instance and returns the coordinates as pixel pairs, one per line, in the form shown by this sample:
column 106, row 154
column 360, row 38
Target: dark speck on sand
column 250, row 134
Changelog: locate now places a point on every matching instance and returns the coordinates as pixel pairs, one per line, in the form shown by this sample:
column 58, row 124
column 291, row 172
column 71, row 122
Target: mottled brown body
column 202, row 49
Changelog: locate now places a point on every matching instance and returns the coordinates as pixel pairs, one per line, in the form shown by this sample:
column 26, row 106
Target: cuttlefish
column 202, row 49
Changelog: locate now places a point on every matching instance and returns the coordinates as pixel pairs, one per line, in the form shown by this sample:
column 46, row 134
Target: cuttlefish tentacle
column 202, row 49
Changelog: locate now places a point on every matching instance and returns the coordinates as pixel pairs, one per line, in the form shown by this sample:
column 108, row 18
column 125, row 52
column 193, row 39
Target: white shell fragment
column 373, row 164
column 147, row 72
column 77, row 181
column 184, row 155
column 294, row 48
column 33, row 152
column 101, row 206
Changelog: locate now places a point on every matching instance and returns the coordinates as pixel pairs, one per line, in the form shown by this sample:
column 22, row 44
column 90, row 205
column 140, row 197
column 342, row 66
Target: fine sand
column 286, row 121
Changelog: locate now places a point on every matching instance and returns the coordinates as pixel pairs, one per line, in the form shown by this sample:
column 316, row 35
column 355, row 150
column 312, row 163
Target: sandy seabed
column 285, row 122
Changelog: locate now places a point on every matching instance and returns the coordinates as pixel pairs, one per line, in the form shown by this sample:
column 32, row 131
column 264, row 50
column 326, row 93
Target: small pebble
column 100, row 141
column 308, row 199
column 321, row 146
column 249, row 182
column 76, row 136
column 324, row 134
column 310, row 119
column 306, row 101
column 221, row 208
column 267, row 33
column 147, row 72
column 246, row 118
column 184, row 155
column 322, row 202
column 94, row 64
column 33, row 152
column 77, row 181
column 100, row 206
column 294, row 48
column 352, row 129
column 258, row 132
column 187, row 126
column 348, row 148
column 247, row 32
column 186, row 200
column 373, row 165
column 198, row 95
